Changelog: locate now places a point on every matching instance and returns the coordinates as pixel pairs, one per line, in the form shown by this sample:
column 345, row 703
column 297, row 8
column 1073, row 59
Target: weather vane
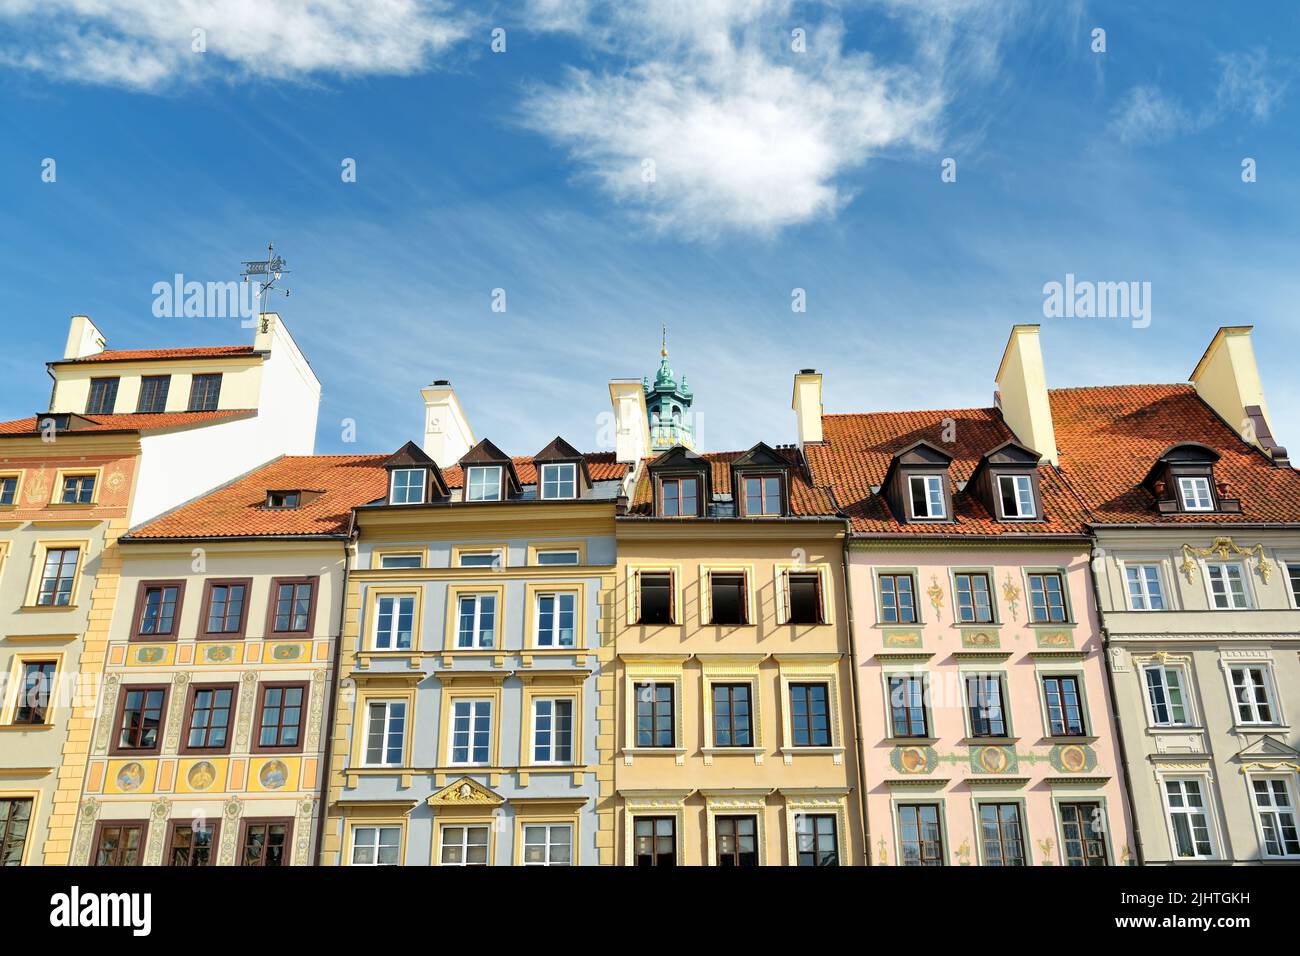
column 268, row 271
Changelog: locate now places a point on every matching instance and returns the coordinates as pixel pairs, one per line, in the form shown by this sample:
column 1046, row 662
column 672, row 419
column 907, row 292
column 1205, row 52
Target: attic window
column 1183, row 480
column 762, row 495
column 408, row 486
column 1016, row 493
column 483, row 484
column 558, row 481
column 680, row 497
column 1195, row 494
column 283, row 499
column 927, row 496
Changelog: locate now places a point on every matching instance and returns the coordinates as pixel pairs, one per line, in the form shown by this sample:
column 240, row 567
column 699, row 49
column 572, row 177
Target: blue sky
column 775, row 169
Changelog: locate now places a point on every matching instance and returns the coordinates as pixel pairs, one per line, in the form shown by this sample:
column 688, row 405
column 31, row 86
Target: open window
column 1006, row 482
column 728, row 598
column 655, row 597
column 804, row 598
column 917, row 485
column 1183, row 481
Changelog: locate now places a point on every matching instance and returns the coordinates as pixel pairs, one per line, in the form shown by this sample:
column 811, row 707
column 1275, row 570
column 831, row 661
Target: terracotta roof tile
column 147, row 355
column 806, row 500
column 237, row 510
column 601, row 464
column 131, row 422
column 1110, row 436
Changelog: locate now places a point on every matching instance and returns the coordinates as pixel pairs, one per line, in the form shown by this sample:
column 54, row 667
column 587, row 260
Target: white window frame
column 577, row 557
column 475, row 471
column 933, row 485
column 1292, row 566
column 477, row 634
column 548, row 845
column 552, row 760
column 422, row 479
column 560, row 482
column 1023, row 487
column 496, row 554
column 378, row 829
column 464, row 842
column 391, row 636
column 552, row 638
column 1210, row 567
column 388, row 731
column 1189, row 717
column 1144, row 584
column 1196, row 501
column 1270, row 694
column 1206, row 810
column 1288, row 786
column 475, row 715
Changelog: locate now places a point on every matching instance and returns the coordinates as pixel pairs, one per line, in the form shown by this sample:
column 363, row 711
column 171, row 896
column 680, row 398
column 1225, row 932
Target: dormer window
column 1183, row 480
column 1196, row 494
column 558, row 481
column 283, row 499
column 483, row 484
column 1016, row 494
column 927, row 496
column 680, row 497
column 762, row 495
column 408, row 486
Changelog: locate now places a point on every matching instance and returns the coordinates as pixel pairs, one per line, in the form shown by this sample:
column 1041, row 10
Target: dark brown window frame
column 816, row 577
column 805, row 686
column 23, row 665
column 970, row 577
column 194, row 382
column 732, row 723
column 672, row 598
column 741, row 495
column 697, row 477
column 734, row 819
column 655, row 713
column 255, row 745
column 10, row 842
column 897, row 605
column 102, row 825
column 276, row 583
column 924, row 860
column 1077, row 681
column 745, row 616
column 654, row 837
column 185, row 747
column 203, row 633
column 140, row 399
column 213, row 823
column 1003, row 829
column 90, row 394
column 115, row 748
column 286, row 822
column 1076, row 807
column 1065, row 597
column 136, row 618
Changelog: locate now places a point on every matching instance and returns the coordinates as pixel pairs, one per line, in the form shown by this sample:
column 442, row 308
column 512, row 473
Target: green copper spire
column 668, row 405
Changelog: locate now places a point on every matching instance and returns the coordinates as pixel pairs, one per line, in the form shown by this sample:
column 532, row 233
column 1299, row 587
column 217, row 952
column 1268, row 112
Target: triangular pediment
column 922, row 453
column 465, row 793
column 762, row 455
column 1268, row 748
column 679, row 456
column 558, row 450
column 409, row 455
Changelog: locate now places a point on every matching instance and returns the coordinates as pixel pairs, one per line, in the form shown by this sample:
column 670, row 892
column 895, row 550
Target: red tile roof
column 130, row 422
column 150, row 355
column 857, row 451
column 805, row 499
column 601, row 464
column 237, row 510
column 1110, row 436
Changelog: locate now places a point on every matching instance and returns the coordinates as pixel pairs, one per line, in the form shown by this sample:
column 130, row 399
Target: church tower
column 668, row 403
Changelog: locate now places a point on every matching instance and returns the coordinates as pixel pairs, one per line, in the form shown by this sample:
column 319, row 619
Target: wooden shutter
column 672, row 597
column 821, row 600
column 783, row 595
column 744, row 597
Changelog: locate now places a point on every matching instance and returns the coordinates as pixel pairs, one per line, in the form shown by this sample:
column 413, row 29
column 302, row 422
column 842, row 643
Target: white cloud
column 1146, row 115
column 1245, row 85
column 144, row 44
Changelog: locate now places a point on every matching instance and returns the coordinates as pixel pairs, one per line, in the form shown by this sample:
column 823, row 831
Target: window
column 34, row 700
column 283, row 499
column 896, row 601
column 732, row 724
column 1292, row 568
column 471, row 732
column 158, row 607
column 78, row 490
column 810, row 723
column 817, row 840
column 119, row 844
column 553, row 730
column 907, row 705
column 1046, row 598
column 205, row 393
column 1064, row 710
column 1016, row 494
column 295, row 600
column 139, row 722
column 208, row 725
column 548, row 844
column 557, row 557
column 973, row 604
column 385, row 733
column 481, row 559
column 656, row 598
column 153, row 393
column 1083, row 839
column 920, row 837
column 1275, row 809
column 804, row 591
column 464, row 846
column 559, row 481
column 728, row 599
column 1166, row 696
column 763, row 495
column 680, row 497
column 192, row 844
column 15, row 819
column 9, row 496
column 655, row 720
column 556, row 616
column 408, row 486
column 103, row 396
column 483, row 484
column 1196, row 494
column 654, row 841
column 280, row 717
column 394, row 622
column 1227, row 586
column 58, row 576
column 1144, row 590
column 401, row 561
column 477, row 616
column 736, row 839
column 226, row 608
column 984, row 704
column 1004, row 843
column 1189, row 819
column 376, row 846
column 265, row 843
column 927, row 496
column 1252, row 694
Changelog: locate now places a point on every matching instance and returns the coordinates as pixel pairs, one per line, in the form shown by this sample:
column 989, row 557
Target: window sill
column 1052, row 624
column 1080, row 739
column 1156, row 729
column 988, row 741
column 677, row 753
column 46, row 608
column 910, row 741
column 20, row 728
column 789, row 753
column 732, row 624
column 1261, row 729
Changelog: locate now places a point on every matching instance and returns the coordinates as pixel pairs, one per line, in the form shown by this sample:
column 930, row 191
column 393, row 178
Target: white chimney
column 1227, row 379
column 1022, row 390
column 84, row 338
column 631, row 420
column 807, row 405
column 447, row 435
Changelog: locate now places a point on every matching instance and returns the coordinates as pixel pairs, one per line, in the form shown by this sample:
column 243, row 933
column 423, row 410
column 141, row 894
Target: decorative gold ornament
column 1225, row 549
column 936, row 597
column 1011, row 594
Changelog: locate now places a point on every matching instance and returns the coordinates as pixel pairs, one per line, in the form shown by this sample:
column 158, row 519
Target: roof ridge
column 1094, row 388
column 910, row 411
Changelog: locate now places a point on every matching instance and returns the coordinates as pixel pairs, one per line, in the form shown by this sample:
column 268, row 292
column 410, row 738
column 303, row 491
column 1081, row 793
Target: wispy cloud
column 144, row 45
column 1147, row 115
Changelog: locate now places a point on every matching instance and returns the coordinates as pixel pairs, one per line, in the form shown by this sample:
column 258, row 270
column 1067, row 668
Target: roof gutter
column 322, row 802
column 855, row 696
